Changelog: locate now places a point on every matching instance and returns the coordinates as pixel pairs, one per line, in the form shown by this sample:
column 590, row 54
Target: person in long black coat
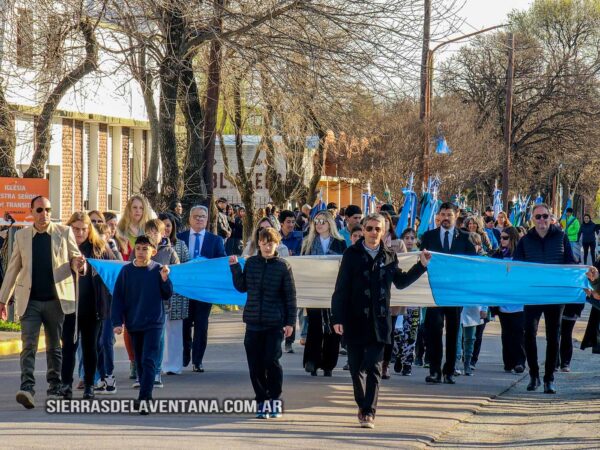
column 361, row 309
column 445, row 239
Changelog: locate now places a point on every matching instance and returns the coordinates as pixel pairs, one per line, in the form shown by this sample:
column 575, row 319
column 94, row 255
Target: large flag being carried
column 450, row 281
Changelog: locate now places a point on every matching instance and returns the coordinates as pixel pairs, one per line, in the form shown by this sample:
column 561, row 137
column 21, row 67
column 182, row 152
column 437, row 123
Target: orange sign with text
column 16, row 195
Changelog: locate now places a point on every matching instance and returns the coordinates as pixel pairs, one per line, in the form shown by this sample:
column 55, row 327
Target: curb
column 14, row 346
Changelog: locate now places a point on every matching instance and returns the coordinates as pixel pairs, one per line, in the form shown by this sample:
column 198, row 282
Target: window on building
column 25, row 38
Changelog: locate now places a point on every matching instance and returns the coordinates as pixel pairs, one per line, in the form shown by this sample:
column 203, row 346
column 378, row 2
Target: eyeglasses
column 504, row 238
column 320, row 221
column 41, row 210
column 369, row 228
column 199, row 217
column 541, row 216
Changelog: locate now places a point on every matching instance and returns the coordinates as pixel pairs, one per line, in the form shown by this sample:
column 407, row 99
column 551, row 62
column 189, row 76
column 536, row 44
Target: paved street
column 490, row 409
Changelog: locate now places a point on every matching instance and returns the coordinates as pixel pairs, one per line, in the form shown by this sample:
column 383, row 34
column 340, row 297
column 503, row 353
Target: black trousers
column 322, row 346
column 263, row 351
column 365, row 361
column 591, row 247
column 552, row 318
column 89, row 330
column 420, row 347
column 197, row 320
column 566, row 342
column 513, row 339
column 478, row 340
column 434, row 325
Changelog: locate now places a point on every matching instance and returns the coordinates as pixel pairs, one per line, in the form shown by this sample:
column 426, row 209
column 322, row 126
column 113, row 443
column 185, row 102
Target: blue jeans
column 469, row 342
column 106, row 353
column 145, row 348
column 161, row 351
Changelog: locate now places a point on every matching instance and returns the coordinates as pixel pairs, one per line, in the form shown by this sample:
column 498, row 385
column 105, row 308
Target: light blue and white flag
column 450, row 281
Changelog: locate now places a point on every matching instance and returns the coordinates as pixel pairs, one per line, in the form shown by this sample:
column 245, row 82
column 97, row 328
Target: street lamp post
column 427, row 86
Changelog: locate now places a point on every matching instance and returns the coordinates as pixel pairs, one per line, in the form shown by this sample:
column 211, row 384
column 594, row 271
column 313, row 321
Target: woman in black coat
column 322, row 343
column 93, row 307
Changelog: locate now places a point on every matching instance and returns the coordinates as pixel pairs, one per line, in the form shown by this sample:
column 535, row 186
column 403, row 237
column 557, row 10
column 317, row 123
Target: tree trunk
column 42, row 131
column 211, row 107
column 7, row 139
column 194, row 186
column 319, row 158
column 169, row 81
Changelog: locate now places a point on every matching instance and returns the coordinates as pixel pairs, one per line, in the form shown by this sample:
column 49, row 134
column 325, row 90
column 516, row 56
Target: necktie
column 447, row 242
column 197, row 245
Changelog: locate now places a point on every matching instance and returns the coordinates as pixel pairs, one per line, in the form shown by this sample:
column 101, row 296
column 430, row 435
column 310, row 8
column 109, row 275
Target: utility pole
column 424, row 112
column 510, row 75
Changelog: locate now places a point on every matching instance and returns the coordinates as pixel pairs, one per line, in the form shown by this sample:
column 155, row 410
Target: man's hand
column 592, row 293
column 233, row 260
column 287, row 331
column 592, row 273
column 118, row 330
column 425, row 257
column 338, row 328
column 78, row 264
column 164, row 273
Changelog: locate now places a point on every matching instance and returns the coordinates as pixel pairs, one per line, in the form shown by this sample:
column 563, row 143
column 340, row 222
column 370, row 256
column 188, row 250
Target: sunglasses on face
column 370, row 228
column 320, row 221
column 41, row 210
column 504, row 238
column 541, row 216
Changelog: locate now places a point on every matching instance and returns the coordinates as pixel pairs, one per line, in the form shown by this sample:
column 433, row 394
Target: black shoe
column 67, row 392
column 346, row 367
column 449, row 379
column 419, row 362
column 435, row 378
column 328, row 373
column 55, row 392
column 406, row 370
column 197, row 368
column 519, row 368
column 289, row 348
column 186, row 361
column 313, row 373
column 343, row 351
column 88, row 393
column 549, row 387
column 534, row 383
column 398, row 366
column 310, row 367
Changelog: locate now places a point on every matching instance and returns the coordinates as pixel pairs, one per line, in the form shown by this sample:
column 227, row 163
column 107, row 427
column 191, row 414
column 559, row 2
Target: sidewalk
column 10, row 343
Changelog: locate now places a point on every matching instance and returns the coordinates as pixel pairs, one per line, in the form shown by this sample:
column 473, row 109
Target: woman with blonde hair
column 93, row 306
column 134, row 217
column 502, row 221
column 322, row 342
column 474, row 224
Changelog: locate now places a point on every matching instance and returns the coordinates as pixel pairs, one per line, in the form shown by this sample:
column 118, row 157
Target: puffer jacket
column 554, row 248
column 271, row 291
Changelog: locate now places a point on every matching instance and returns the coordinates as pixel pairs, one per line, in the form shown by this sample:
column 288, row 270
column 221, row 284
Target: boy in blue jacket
column 138, row 298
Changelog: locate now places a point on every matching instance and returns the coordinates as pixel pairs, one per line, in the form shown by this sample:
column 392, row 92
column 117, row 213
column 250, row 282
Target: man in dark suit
column 445, row 239
column 205, row 244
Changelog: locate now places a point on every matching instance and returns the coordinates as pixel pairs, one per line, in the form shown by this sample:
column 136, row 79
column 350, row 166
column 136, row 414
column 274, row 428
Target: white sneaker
column 136, row 384
column 111, row 384
column 158, row 381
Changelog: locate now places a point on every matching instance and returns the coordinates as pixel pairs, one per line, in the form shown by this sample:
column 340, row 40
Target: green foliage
column 9, row 326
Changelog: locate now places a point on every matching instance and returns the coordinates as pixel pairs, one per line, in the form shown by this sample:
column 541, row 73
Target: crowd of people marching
column 51, row 283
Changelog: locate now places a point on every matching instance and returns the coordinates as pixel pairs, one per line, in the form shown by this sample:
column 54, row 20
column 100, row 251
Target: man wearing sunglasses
column 547, row 244
column 39, row 274
column 361, row 309
column 447, row 238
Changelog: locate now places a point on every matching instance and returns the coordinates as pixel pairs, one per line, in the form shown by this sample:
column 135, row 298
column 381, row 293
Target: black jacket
column 361, row 301
column 271, row 291
column 461, row 245
column 554, row 248
column 93, row 295
column 588, row 232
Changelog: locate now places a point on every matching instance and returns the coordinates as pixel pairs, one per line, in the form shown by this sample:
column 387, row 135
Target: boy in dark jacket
column 140, row 290
column 269, row 315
